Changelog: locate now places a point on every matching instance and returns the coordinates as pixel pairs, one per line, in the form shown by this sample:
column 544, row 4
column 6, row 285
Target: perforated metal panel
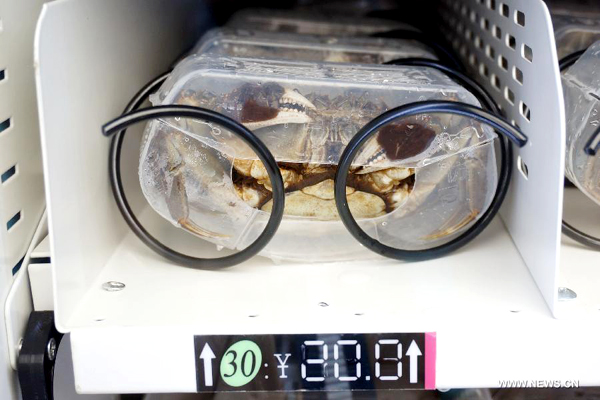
column 509, row 48
column 21, row 182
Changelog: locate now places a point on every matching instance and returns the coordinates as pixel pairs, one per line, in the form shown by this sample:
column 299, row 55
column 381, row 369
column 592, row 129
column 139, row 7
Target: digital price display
column 315, row 362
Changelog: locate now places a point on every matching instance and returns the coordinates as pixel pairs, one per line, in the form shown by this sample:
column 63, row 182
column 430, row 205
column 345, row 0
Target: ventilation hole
column 485, row 24
column 463, row 10
column 522, row 167
column 468, row 34
column 518, row 75
column 2, row 74
column 490, row 51
column 496, row 81
column 525, row 111
column 527, row 53
column 473, row 16
column 9, row 173
column 4, row 125
column 40, row 260
column 492, row 4
column 484, row 71
column 511, row 41
column 17, row 266
column 13, row 221
column 519, row 18
column 503, row 63
column 477, row 42
column 509, row 95
column 497, row 32
column 473, row 60
column 504, row 10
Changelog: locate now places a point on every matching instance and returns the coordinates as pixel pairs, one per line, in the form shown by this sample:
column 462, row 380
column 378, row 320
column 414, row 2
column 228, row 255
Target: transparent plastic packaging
column 418, row 183
column 336, row 8
column 575, row 31
column 581, row 86
column 290, row 46
column 311, row 23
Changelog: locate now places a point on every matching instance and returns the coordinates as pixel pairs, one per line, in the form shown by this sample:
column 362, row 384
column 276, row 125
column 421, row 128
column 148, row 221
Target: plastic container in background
column 575, row 30
column 581, row 85
column 312, row 23
column 418, row 183
column 289, row 46
column 336, row 8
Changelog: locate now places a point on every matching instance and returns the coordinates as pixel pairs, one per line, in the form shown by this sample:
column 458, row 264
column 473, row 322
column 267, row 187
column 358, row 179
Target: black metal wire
column 591, row 148
column 570, row 59
column 427, row 107
column 580, row 237
column 442, row 52
column 118, row 128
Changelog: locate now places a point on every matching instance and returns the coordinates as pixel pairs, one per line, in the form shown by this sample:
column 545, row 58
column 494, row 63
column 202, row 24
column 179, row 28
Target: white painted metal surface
column 40, row 277
column 92, row 56
column 491, row 319
column 21, row 186
column 64, row 384
column 580, row 266
column 509, row 47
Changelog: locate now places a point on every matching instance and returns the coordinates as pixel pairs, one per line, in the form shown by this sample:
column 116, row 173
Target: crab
column 322, row 126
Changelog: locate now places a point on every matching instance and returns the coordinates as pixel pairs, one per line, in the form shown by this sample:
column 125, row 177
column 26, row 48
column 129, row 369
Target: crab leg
column 177, row 201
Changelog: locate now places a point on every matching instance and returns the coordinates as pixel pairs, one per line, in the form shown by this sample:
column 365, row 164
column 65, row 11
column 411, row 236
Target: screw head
column 51, row 349
column 113, row 286
column 566, row 294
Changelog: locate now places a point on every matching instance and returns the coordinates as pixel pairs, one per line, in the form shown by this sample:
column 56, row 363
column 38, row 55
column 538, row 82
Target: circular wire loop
column 592, row 146
column 118, row 128
column 427, row 107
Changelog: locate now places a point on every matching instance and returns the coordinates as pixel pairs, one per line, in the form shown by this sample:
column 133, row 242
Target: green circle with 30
column 240, row 363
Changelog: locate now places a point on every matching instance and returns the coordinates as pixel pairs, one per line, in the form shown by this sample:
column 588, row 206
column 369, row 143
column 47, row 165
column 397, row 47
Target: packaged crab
column 312, row 23
column 419, row 182
column 289, row 46
column 581, row 86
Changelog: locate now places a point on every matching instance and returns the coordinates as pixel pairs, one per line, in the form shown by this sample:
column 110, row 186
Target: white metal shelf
column 492, row 323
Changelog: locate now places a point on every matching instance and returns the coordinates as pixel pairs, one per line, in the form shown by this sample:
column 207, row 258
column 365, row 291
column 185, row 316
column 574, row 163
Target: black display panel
column 311, row 362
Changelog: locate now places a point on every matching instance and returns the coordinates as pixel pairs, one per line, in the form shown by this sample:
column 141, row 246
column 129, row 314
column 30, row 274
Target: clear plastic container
column 312, row 23
column 575, row 31
column 336, row 8
column 290, row 46
column 418, row 183
column 581, row 86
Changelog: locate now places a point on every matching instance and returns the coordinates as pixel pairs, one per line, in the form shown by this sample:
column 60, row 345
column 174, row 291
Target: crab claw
column 294, row 98
column 292, row 109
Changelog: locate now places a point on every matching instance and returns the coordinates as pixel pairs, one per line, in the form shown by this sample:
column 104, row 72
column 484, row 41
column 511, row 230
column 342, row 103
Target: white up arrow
column 207, row 356
column 414, row 353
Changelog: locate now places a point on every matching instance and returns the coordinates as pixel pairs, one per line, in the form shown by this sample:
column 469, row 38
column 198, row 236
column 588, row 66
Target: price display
column 315, row 362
